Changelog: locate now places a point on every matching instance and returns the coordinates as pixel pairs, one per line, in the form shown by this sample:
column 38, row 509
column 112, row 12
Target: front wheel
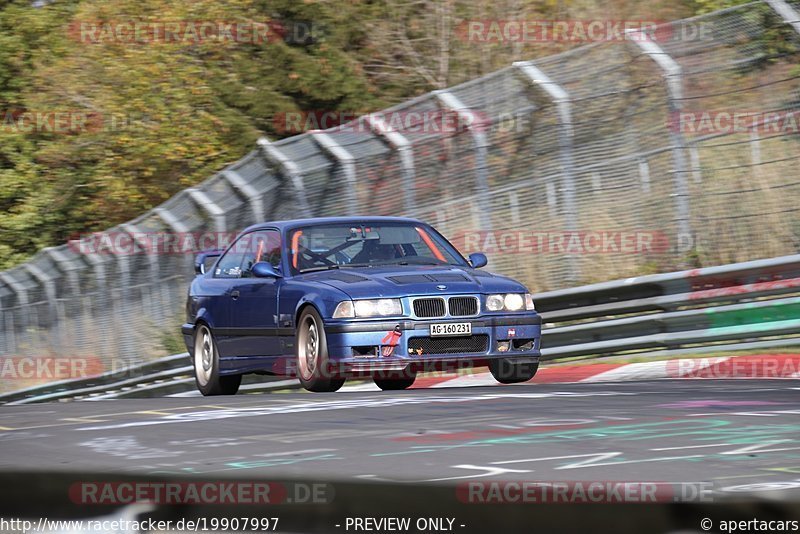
column 394, row 383
column 206, row 366
column 509, row 372
column 313, row 368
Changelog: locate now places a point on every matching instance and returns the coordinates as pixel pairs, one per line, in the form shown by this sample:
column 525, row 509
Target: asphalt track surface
column 740, row 435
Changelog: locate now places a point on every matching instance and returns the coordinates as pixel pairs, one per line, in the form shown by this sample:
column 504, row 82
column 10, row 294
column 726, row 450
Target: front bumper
column 362, row 346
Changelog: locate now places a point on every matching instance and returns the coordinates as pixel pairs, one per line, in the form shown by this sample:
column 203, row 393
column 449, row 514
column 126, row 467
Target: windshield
column 334, row 246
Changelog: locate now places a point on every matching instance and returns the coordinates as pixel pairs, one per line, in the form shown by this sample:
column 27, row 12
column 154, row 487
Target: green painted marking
column 755, row 314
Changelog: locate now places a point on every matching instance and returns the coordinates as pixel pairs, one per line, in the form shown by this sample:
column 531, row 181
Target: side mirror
column 205, row 260
column 264, row 269
column 478, row 260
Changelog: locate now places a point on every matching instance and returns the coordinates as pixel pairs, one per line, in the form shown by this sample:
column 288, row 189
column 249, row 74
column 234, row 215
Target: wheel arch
column 301, row 307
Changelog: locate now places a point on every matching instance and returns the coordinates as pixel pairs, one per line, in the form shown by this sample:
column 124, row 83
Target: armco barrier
column 756, row 304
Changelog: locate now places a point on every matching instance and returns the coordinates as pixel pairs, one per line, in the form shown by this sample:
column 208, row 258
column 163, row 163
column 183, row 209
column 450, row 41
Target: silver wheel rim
column 203, row 356
column 308, row 348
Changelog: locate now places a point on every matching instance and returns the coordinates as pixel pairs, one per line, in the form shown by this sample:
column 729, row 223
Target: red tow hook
column 390, row 341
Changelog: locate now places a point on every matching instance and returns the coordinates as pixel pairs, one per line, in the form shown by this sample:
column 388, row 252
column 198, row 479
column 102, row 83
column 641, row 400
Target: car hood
column 402, row 281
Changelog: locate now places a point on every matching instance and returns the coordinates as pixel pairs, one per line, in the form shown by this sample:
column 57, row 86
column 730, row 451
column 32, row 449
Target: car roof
column 294, row 223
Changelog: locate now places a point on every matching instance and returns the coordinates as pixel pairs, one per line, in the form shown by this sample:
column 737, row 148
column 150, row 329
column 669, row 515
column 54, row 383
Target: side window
column 264, row 245
column 230, row 264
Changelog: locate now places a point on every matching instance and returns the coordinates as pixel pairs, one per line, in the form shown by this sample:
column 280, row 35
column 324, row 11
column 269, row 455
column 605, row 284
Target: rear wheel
column 393, row 383
column 313, row 368
column 508, row 372
column 206, row 366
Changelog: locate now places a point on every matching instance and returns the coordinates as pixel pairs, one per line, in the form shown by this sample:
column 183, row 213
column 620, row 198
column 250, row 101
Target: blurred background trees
column 168, row 115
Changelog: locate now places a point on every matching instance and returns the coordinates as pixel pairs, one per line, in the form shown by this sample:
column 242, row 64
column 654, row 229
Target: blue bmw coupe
column 331, row 298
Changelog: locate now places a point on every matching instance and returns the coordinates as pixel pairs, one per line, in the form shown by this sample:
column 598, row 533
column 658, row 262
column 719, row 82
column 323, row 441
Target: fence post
column 674, row 77
column 50, row 292
column 786, row 12
column 174, row 223
column 249, row 192
column 146, row 245
column 450, row 101
column 271, row 153
column 61, row 259
column 563, row 102
column 406, row 152
column 216, row 213
column 347, row 163
column 22, row 302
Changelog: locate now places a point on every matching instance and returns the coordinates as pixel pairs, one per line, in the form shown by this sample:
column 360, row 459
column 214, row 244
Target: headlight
column 373, row 308
column 494, row 302
column 509, row 302
column 514, row 302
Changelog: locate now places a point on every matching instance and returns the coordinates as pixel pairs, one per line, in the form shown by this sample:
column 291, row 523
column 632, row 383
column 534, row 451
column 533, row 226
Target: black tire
column 508, row 372
column 394, row 383
column 313, row 367
column 206, row 366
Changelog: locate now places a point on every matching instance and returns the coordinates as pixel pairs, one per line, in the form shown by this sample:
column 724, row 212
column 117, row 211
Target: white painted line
column 692, row 447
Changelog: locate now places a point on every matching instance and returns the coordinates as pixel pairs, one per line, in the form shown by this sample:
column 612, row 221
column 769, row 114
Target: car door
column 220, row 284
column 254, row 301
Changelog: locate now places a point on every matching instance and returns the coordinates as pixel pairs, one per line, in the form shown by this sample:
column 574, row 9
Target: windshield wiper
column 320, row 268
column 419, row 261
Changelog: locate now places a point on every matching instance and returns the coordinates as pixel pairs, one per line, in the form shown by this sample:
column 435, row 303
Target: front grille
column 429, row 307
column 463, row 306
column 448, row 345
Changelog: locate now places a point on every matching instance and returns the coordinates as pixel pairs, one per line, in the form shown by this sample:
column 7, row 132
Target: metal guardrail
column 171, row 375
column 756, row 304
column 673, row 310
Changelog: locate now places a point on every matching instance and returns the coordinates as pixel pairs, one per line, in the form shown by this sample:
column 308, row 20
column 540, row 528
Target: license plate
column 451, row 329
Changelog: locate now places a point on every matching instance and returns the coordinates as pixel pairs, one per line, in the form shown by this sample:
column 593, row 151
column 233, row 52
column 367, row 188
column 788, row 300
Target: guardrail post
column 271, row 153
column 563, row 102
column 175, row 224
column 216, row 213
column 249, row 192
column 60, row 259
column 140, row 238
column 347, row 163
column 50, row 292
column 450, row 101
column 674, row 77
column 22, row 301
column 406, row 152
column 786, row 12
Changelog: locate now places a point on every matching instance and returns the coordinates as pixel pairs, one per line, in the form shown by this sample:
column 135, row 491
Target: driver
column 374, row 251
